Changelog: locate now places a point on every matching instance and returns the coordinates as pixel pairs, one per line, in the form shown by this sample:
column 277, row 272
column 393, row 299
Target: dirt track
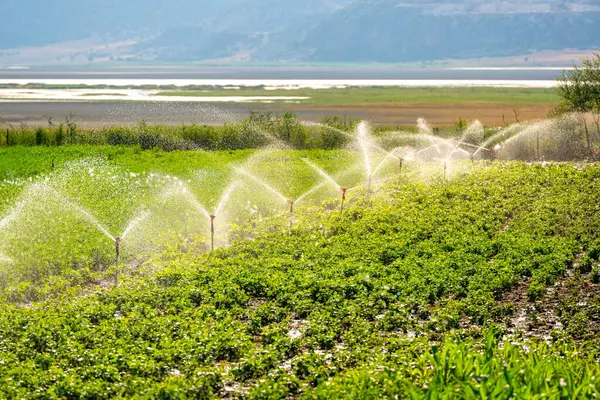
column 113, row 113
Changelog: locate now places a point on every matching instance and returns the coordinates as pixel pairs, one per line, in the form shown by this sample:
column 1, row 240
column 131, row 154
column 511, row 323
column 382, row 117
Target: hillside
column 60, row 31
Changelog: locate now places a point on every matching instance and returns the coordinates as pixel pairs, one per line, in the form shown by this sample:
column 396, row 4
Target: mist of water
column 262, row 183
column 134, row 223
column 324, row 174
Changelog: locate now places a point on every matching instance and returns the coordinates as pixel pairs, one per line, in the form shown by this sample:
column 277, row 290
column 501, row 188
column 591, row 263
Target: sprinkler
column 472, row 156
column 401, row 159
column 53, row 163
column 117, row 250
column 101, row 155
column 494, row 152
column 212, row 232
column 445, row 170
column 291, row 203
column 344, row 190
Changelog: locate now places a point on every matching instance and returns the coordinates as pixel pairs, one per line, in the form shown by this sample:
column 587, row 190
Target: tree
column 591, row 68
column 579, row 89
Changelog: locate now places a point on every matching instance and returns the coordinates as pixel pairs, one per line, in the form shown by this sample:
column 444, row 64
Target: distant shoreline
column 268, row 84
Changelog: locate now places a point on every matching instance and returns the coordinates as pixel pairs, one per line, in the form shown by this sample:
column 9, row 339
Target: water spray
column 212, row 232
column 494, row 152
column 344, row 190
column 117, row 251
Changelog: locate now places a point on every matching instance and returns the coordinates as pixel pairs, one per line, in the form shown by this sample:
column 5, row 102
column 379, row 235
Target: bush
column 536, row 290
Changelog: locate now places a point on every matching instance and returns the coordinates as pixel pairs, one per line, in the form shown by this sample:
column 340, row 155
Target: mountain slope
column 391, row 33
column 330, row 31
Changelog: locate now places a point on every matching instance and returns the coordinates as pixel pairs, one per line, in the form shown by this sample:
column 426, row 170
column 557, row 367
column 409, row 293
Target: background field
column 384, row 106
column 393, row 95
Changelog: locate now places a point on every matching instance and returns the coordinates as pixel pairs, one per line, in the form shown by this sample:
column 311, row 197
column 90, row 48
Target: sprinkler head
column 117, row 242
column 344, row 190
column 291, row 202
column 212, row 217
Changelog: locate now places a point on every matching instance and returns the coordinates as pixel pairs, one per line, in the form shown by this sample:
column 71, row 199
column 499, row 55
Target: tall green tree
column 591, row 68
column 579, row 89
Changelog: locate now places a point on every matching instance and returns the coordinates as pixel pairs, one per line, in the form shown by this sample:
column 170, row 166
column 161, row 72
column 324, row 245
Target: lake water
column 286, row 77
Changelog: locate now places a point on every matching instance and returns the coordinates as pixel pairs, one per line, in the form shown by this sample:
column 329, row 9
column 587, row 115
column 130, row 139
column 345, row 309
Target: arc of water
column 384, row 151
column 502, row 133
column 425, row 149
column 324, row 174
column 311, row 191
column 367, row 184
column 86, row 213
column 424, row 127
column 380, row 165
column 192, row 199
column 310, row 123
column 454, row 151
column 225, row 197
column 5, row 259
column 533, row 127
column 188, row 195
column 323, row 184
column 433, row 140
column 13, row 214
column 262, row 183
column 364, row 147
column 459, row 150
column 136, row 221
column 474, row 146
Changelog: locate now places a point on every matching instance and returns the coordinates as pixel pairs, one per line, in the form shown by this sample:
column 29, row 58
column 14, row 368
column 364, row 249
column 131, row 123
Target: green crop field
column 393, row 95
column 454, row 279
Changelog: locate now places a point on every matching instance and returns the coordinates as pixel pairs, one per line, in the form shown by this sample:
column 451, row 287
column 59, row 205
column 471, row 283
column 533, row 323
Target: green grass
column 102, row 94
column 359, row 95
column 400, row 296
column 394, row 95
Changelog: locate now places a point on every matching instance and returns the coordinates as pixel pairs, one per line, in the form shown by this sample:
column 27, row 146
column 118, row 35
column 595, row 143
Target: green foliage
column 255, row 132
column 391, row 299
column 460, row 125
column 60, row 135
column 579, row 90
column 381, row 96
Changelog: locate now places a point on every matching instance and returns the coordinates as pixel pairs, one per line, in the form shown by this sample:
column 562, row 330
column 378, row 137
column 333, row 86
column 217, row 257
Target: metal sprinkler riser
column 445, row 170
column 344, row 190
column 117, row 251
column 291, row 203
column 212, row 232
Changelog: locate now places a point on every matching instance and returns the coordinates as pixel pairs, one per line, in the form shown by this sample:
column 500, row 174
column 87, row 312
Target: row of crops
column 403, row 295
